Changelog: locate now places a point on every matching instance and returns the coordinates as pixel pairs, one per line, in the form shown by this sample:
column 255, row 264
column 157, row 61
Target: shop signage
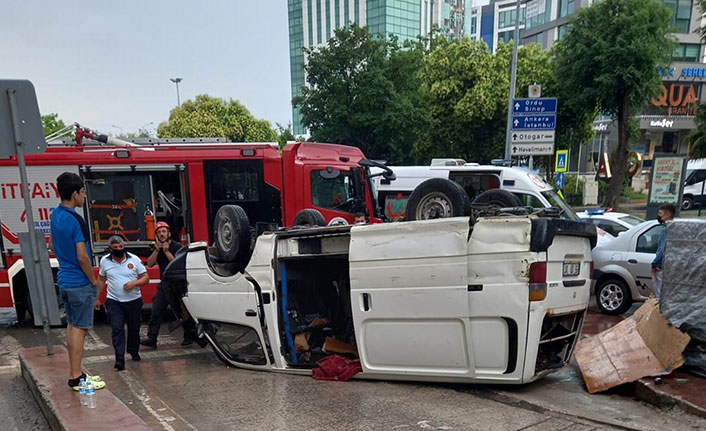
column 663, row 123
column 667, row 179
column 676, row 99
column 655, row 122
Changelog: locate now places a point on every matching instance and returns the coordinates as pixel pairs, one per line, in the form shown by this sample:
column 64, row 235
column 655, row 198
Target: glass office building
column 313, row 22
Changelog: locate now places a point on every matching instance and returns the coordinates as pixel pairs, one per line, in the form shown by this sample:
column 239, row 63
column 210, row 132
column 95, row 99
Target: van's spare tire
column 499, row 198
column 232, row 233
column 309, row 217
column 438, row 198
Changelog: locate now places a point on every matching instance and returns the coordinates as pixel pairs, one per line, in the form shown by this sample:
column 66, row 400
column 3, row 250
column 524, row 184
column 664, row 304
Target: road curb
column 46, row 377
column 511, row 399
column 646, row 390
column 38, row 391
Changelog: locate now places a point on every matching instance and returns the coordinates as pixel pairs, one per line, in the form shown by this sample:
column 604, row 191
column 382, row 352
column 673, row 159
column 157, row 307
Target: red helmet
column 160, row 225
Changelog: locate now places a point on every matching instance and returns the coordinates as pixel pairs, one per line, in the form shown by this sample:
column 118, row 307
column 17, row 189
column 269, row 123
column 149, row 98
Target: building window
column 687, row 52
column 681, row 14
column 542, row 18
column 505, row 36
column 506, row 18
column 562, row 30
column 567, row 7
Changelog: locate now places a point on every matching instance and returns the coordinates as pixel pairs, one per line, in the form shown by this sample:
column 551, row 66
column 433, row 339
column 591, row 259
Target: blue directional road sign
column 546, row 105
column 560, row 181
column 534, row 122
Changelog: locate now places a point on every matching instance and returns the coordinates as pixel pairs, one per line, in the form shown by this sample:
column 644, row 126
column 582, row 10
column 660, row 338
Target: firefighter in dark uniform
column 163, row 253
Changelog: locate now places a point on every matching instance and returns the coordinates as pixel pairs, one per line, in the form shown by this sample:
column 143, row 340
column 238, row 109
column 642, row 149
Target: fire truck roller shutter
column 438, row 198
column 309, row 217
column 232, row 233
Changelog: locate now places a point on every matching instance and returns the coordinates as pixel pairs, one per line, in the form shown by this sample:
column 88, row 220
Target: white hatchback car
column 623, row 265
column 611, row 222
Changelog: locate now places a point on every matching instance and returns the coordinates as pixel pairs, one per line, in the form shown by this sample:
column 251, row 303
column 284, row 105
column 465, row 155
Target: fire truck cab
column 183, row 182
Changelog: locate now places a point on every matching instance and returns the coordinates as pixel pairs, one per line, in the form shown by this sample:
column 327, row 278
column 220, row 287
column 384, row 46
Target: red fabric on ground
column 336, row 367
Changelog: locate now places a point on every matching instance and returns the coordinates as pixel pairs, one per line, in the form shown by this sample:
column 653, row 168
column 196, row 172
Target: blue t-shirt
column 65, row 234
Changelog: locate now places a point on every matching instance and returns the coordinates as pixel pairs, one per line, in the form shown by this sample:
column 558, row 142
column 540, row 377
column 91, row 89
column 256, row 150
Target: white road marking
column 147, row 402
column 164, row 338
column 92, row 342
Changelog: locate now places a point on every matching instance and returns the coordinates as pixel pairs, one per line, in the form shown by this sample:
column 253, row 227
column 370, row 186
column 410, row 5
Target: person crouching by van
column 124, row 274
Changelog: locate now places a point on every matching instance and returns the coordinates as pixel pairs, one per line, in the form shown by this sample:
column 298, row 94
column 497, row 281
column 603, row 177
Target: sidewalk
column 46, row 377
column 679, row 388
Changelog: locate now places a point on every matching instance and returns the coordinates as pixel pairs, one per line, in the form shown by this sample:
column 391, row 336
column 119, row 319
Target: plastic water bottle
column 82, row 391
column 90, row 396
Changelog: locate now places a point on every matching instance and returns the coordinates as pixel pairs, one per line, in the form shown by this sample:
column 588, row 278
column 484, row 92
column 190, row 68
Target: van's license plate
column 571, row 268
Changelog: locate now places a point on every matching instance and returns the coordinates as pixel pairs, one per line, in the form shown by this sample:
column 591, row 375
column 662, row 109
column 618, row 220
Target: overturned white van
column 500, row 299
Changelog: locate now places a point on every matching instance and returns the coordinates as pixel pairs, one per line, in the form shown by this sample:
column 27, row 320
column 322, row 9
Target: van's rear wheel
column 232, row 233
column 309, row 217
column 438, row 198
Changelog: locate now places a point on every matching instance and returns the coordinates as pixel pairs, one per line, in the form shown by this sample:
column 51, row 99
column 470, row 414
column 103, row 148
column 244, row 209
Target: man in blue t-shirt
column 77, row 282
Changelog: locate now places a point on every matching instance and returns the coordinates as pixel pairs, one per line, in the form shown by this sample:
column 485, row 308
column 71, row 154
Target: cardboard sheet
column 644, row 344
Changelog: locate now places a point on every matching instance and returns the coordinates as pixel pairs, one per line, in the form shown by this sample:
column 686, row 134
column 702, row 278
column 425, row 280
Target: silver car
column 623, row 265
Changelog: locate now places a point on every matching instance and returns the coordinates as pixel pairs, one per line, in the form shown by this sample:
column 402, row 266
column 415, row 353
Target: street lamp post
column 513, row 78
column 119, row 128
column 177, row 81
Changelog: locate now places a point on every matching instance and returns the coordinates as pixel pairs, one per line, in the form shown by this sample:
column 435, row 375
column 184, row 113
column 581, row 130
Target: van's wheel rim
column 225, row 234
column 686, row 204
column 433, row 206
column 611, row 297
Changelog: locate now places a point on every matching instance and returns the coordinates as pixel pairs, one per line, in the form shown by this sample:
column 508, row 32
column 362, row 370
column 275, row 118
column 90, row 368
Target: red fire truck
column 131, row 185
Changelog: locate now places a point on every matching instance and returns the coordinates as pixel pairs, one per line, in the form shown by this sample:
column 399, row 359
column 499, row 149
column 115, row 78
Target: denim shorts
column 78, row 303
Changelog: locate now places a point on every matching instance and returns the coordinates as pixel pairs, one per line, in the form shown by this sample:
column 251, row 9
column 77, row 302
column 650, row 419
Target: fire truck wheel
column 232, row 233
column 309, row 217
column 438, row 198
column 21, row 311
column 498, row 197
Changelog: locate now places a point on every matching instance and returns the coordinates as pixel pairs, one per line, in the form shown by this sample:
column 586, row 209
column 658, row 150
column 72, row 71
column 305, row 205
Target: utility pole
column 177, row 81
column 513, row 78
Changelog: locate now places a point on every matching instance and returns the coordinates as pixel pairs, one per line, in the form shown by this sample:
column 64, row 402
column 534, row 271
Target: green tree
column 697, row 138
column 207, row 116
column 466, row 89
column 702, row 7
column 52, row 123
column 362, row 90
column 141, row 133
column 284, row 134
column 608, row 61
column 465, row 94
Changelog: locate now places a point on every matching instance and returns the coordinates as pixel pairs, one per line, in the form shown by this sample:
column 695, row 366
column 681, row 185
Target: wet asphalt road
column 175, row 388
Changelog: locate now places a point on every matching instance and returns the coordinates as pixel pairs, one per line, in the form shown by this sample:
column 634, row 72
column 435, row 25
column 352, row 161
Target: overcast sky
column 108, row 63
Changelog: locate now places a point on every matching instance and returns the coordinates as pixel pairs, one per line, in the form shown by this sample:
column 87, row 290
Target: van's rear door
column 555, row 321
column 409, row 298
